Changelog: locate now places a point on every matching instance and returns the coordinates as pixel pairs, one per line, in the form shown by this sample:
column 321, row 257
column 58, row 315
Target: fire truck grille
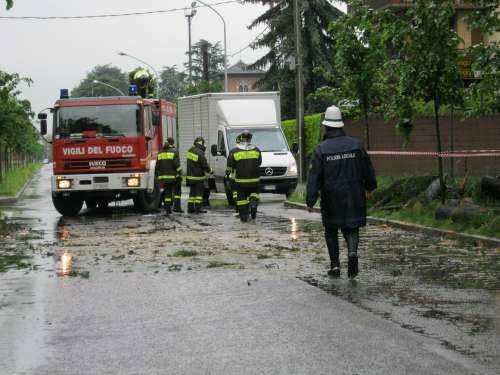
column 97, row 164
column 272, row 171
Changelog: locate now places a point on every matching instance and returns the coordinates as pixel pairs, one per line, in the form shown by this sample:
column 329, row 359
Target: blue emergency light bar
column 64, row 94
column 132, row 90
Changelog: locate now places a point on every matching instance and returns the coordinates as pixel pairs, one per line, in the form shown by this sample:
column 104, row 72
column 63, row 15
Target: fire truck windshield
column 105, row 120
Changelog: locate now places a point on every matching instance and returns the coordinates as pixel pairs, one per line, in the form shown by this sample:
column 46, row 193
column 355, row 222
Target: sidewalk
column 6, row 199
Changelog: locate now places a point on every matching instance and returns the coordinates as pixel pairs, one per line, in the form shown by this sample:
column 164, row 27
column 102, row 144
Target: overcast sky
column 58, row 53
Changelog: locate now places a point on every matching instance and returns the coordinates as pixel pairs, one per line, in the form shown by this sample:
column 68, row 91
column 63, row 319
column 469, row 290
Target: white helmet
column 333, row 117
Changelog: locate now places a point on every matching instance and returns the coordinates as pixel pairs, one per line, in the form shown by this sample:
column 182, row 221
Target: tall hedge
column 312, row 132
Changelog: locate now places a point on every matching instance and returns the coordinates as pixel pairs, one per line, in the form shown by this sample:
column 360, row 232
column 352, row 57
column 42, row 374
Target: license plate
column 101, row 185
column 269, row 187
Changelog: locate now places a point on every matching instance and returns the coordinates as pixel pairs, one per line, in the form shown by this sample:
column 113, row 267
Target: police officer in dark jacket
column 243, row 164
column 168, row 168
column 178, row 180
column 197, row 166
column 342, row 172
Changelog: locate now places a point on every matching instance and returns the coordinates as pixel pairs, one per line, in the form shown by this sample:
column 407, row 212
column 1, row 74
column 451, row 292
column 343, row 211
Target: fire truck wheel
column 147, row 202
column 67, row 206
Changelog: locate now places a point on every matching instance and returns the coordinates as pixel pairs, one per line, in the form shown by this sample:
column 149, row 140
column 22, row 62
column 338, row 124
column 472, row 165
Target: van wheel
column 67, row 206
column 146, row 202
column 91, row 203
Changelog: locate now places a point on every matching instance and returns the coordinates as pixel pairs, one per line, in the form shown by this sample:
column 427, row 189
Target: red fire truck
column 104, row 149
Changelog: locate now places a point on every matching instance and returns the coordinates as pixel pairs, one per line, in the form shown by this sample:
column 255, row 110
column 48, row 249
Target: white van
column 221, row 117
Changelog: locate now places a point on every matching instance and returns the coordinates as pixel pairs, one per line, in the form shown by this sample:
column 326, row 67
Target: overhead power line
column 143, row 13
column 249, row 44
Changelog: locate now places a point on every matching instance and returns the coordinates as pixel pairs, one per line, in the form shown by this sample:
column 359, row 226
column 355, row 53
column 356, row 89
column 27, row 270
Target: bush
column 312, row 132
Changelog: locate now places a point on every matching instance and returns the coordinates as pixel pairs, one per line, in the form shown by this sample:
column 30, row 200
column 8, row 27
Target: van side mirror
column 43, row 126
column 213, row 150
column 295, row 148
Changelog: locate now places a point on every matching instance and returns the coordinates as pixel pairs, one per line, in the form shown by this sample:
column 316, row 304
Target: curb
column 443, row 233
column 15, row 198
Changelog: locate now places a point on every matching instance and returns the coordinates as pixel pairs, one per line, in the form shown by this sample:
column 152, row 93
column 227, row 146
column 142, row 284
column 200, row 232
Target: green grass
column 15, row 179
column 185, row 253
column 13, row 261
column 486, row 224
column 299, row 195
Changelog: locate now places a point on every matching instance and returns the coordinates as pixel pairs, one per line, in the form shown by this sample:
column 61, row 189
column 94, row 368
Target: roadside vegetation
column 415, row 200
column 16, row 178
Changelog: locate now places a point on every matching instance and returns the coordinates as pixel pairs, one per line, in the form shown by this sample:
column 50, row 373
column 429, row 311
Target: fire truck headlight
column 64, row 184
column 133, row 181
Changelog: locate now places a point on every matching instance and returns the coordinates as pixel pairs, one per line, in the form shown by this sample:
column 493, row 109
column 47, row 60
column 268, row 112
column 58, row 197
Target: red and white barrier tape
column 446, row 154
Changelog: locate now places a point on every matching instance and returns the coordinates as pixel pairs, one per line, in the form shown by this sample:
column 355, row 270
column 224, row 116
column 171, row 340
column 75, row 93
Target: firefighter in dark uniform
column 244, row 163
column 168, row 168
column 197, row 166
column 343, row 173
column 230, row 178
column 178, row 180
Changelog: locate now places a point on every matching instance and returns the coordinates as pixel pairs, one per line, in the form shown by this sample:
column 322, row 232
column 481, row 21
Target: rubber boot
column 168, row 209
column 177, row 206
column 332, row 242
column 190, row 208
column 352, row 239
column 198, row 209
column 253, row 208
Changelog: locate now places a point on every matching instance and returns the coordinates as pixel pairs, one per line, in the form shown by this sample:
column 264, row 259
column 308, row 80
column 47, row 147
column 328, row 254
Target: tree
column 360, row 56
column 202, row 87
column 318, row 47
column 173, row 83
column 103, row 73
column 9, row 5
column 427, row 64
column 16, row 130
column 483, row 95
column 214, row 57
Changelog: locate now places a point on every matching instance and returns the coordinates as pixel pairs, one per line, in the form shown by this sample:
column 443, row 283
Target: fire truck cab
column 104, row 149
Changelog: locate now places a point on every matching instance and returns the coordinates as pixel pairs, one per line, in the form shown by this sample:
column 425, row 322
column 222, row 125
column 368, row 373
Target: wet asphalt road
column 117, row 292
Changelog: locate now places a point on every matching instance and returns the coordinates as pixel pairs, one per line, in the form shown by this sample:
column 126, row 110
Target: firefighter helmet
column 170, row 141
column 245, row 136
column 199, row 141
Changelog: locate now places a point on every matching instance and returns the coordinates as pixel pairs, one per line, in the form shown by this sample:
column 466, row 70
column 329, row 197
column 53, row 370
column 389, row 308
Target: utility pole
column 189, row 16
column 299, row 90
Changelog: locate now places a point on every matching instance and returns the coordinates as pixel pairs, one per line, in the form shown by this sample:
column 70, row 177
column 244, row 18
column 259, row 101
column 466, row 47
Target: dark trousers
column 168, row 195
column 244, row 196
column 332, row 242
column 177, row 194
column 195, row 196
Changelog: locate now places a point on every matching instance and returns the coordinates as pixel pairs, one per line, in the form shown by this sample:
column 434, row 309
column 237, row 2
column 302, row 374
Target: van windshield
column 271, row 140
column 106, row 120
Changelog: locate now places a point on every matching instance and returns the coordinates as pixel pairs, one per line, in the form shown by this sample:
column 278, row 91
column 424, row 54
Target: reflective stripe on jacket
column 244, row 162
column 197, row 165
column 168, row 165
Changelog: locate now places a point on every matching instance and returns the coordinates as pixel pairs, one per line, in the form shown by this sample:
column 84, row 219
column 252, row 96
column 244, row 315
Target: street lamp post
column 148, row 65
column 189, row 17
column 225, row 39
column 108, row 85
